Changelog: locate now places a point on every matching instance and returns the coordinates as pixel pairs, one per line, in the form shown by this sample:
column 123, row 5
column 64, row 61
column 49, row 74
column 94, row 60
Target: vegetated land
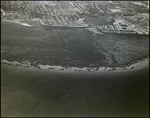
column 69, row 12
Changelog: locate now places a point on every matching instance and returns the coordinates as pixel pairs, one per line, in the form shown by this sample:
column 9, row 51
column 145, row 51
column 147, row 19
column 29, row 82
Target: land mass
column 135, row 15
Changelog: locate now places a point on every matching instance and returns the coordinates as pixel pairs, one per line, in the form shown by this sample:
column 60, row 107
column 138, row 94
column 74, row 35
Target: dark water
column 70, row 47
column 99, row 20
column 27, row 92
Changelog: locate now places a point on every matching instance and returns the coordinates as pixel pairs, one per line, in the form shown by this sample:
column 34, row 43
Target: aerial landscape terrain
column 54, row 41
column 55, row 54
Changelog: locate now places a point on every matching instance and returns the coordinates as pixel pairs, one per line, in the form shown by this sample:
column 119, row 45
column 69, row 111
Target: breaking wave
column 26, row 23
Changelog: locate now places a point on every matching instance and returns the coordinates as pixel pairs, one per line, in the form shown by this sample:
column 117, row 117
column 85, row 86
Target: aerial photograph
column 75, row 58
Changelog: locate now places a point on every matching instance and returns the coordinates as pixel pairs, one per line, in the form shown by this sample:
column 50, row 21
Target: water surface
column 32, row 92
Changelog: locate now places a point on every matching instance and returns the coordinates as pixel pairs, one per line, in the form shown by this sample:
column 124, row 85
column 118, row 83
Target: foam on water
column 95, row 30
column 19, row 22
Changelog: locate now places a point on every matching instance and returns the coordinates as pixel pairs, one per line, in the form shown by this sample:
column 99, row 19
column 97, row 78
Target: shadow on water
column 26, row 92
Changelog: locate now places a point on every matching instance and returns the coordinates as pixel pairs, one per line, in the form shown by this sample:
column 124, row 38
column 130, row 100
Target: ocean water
column 33, row 92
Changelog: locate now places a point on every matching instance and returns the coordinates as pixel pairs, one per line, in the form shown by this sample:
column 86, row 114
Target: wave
column 95, row 30
column 2, row 12
column 25, row 24
column 19, row 22
column 135, row 64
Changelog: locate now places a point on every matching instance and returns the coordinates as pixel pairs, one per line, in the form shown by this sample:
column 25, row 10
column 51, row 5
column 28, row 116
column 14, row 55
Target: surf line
column 133, row 65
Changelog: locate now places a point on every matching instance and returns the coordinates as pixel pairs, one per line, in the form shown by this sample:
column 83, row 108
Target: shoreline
column 31, row 92
column 133, row 66
column 42, row 25
column 37, row 23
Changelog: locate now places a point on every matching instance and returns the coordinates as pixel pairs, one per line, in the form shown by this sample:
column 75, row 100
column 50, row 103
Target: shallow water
column 99, row 20
column 71, row 47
